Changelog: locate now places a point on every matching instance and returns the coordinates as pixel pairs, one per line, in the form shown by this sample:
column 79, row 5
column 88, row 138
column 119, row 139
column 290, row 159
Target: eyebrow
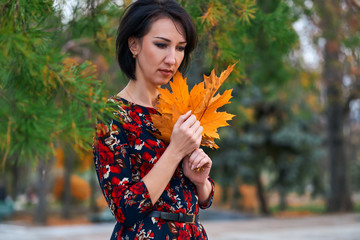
column 168, row 40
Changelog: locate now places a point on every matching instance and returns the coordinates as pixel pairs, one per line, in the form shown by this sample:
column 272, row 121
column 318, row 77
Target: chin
column 163, row 81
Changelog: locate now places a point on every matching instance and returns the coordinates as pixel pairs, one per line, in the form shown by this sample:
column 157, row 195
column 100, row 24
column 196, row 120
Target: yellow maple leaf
column 200, row 100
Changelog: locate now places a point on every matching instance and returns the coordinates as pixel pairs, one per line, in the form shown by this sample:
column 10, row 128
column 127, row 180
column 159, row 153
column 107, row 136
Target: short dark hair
column 137, row 20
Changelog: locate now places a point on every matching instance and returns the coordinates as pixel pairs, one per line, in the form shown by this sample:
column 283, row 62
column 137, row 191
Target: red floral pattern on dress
column 125, row 150
column 106, row 156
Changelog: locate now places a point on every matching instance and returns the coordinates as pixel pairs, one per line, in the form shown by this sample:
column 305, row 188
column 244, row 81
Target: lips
column 166, row 72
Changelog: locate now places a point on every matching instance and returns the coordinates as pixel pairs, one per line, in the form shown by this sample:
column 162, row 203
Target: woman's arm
column 204, row 192
column 197, row 167
column 129, row 201
column 186, row 137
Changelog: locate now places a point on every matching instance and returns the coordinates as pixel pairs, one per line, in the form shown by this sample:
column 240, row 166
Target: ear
column 134, row 46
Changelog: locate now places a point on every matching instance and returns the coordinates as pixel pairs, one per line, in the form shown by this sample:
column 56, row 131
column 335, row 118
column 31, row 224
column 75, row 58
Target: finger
column 182, row 119
column 195, row 126
column 189, row 121
column 204, row 162
column 204, row 159
column 196, row 161
column 202, row 152
column 199, row 131
column 193, row 156
column 198, row 151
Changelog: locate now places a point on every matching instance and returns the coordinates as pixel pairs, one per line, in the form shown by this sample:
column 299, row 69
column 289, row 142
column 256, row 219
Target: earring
column 134, row 55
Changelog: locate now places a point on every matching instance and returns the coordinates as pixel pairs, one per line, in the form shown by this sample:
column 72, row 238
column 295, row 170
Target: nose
column 171, row 57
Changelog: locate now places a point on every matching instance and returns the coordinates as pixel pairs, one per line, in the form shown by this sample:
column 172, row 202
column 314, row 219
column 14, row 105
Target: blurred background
column 292, row 149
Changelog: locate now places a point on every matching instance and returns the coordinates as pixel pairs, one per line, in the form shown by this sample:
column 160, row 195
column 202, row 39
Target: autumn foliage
column 201, row 100
column 80, row 188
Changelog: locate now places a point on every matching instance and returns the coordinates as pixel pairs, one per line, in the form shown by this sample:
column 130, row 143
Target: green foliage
column 47, row 95
column 95, row 20
column 29, row 124
column 274, row 129
column 43, row 95
column 273, row 132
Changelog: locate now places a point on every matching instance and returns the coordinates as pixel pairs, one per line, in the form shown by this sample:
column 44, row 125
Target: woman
column 152, row 188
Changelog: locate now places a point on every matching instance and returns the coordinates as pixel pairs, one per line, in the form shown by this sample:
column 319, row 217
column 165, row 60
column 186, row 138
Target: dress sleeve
column 208, row 203
column 129, row 200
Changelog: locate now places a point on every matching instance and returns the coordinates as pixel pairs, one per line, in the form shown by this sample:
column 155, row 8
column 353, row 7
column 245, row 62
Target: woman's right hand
column 186, row 134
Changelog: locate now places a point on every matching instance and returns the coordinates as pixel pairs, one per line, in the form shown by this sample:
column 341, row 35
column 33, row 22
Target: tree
column 44, row 96
column 49, row 93
column 332, row 75
column 337, row 38
column 273, row 132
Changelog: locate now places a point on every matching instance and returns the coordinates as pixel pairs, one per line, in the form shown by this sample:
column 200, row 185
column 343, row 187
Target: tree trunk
column 236, row 193
column 42, row 190
column 68, row 166
column 93, row 185
column 340, row 199
column 330, row 14
column 15, row 169
column 283, row 202
column 281, row 182
column 261, row 195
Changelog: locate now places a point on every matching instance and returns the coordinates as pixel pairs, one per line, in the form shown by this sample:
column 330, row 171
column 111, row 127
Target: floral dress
column 125, row 150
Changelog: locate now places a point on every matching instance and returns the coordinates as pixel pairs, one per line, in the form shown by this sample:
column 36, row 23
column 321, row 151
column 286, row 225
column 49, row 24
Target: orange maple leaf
column 201, row 101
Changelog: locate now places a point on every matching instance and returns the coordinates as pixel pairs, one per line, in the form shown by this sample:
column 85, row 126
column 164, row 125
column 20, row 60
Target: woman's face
column 159, row 53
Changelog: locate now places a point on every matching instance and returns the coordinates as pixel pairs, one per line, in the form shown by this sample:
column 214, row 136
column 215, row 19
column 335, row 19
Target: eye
column 181, row 48
column 161, row 45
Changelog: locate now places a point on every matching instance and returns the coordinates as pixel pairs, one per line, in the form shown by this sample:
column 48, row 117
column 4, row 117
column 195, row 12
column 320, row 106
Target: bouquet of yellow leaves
column 201, row 101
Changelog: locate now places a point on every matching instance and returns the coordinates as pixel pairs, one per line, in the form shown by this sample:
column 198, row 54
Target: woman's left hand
column 196, row 167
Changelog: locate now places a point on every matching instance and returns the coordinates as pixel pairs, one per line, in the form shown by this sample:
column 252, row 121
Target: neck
column 140, row 93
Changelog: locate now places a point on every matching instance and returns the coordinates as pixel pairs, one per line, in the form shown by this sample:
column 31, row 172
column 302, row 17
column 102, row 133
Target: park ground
column 305, row 219
column 314, row 227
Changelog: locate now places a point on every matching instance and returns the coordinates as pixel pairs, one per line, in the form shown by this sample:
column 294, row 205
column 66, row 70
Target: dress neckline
column 130, row 102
